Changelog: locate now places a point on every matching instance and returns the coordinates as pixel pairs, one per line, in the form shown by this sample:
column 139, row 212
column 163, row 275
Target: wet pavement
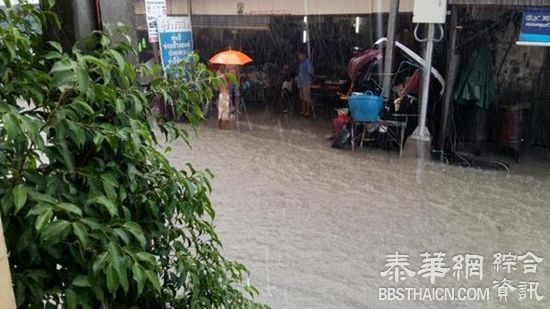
column 314, row 224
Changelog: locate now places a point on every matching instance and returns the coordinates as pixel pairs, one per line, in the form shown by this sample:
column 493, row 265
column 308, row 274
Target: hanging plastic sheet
column 476, row 85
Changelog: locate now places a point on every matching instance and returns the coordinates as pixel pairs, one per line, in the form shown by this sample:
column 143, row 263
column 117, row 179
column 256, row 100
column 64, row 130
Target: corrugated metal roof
column 501, row 2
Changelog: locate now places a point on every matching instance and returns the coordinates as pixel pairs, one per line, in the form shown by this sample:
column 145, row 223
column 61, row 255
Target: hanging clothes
column 477, row 85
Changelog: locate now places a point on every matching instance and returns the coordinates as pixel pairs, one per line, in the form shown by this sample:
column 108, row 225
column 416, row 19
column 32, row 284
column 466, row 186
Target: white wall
column 280, row 7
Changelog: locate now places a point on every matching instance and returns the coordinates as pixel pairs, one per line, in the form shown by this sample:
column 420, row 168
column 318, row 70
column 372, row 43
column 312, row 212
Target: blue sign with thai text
column 535, row 27
column 175, row 39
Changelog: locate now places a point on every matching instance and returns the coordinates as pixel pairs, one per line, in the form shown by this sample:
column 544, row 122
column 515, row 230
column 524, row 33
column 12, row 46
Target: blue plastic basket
column 365, row 107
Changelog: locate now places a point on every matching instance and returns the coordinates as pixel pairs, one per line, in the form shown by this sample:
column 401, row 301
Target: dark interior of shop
column 511, row 123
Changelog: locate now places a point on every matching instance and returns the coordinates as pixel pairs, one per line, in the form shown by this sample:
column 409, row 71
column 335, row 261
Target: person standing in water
column 304, row 81
column 224, row 99
column 234, row 91
column 286, row 89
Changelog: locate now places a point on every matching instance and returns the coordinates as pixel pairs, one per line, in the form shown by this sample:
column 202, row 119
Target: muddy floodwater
column 314, row 224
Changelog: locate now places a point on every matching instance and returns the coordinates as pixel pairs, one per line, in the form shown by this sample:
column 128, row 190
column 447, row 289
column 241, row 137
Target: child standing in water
column 224, row 100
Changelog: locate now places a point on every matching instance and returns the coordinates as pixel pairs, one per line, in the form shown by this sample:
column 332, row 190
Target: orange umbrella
column 231, row 57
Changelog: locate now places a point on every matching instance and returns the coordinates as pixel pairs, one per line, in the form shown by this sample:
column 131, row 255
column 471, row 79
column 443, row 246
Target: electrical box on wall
column 430, row 11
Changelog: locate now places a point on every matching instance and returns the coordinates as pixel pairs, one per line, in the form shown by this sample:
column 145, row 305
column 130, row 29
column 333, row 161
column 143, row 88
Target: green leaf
column 39, row 209
column 56, row 231
column 76, row 133
column 98, row 140
column 72, row 298
column 119, row 59
column 83, row 79
column 63, row 80
column 12, row 126
column 231, row 77
column 138, row 106
column 83, row 106
column 30, row 127
column 50, row 3
column 109, row 191
column 114, row 252
column 139, row 276
column 92, row 223
column 43, row 219
column 154, row 279
column 40, row 197
column 147, row 258
column 52, row 55
column 119, row 265
column 123, row 278
column 105, row 41
column 70, row 208
column 19, row 197
column 66, row 155
column 81, row 232
column 110, row 179
column 61, row 66
column 101, row 200
column 120, row 106
column 136, row 231
column 122, row 235
column 100, row 262
column 6, row 108
column 112, row 278
column 81, row 281
column 57, row 46
column 96, row 61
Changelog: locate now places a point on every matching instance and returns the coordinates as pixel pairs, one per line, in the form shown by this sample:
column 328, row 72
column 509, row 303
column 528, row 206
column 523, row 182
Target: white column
column 7, row 299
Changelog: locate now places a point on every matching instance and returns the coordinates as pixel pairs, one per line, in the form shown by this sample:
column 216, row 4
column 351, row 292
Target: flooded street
column 314, row 224
column 92, row 215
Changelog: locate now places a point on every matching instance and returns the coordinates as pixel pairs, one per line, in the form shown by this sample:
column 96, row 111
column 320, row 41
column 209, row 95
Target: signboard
column 176, row 39
column 535, row 27
column 154, row 9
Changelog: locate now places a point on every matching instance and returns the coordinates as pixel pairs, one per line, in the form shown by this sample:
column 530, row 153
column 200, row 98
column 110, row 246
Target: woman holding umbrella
column 224, row 100
column 229, row 59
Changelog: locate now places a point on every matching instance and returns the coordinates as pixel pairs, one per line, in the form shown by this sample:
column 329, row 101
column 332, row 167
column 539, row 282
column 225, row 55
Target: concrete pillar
column 85, row 17
column 390, row 46
column 78, row 19
column 7, row 299
column 120, row 11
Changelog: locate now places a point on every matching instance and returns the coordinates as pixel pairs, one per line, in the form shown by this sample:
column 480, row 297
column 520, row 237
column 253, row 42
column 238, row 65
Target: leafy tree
column 94, row 214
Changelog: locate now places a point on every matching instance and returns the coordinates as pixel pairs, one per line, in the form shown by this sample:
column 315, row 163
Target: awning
column 237, row 22
column 501, row 2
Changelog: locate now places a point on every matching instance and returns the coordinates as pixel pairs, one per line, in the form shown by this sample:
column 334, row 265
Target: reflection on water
column 314, row 224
